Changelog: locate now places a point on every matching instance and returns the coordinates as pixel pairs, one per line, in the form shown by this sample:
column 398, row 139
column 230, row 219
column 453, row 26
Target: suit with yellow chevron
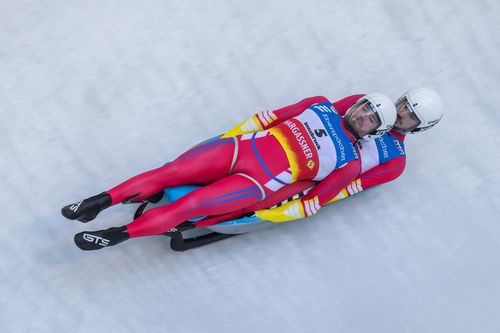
column 318, row 147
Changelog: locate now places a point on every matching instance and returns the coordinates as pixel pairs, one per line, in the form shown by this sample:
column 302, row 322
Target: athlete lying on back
column 306, row 141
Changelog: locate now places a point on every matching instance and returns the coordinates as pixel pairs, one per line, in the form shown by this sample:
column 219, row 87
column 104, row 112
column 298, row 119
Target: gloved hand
column 290, row 211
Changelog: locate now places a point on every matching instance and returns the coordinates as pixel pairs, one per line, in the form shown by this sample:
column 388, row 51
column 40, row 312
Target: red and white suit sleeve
column 380, row 174
column 329, row 187
column 383, row 173
column 318, row 197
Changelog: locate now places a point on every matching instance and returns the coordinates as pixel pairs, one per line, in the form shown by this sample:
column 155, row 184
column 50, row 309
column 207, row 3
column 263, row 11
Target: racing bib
column 315, row 142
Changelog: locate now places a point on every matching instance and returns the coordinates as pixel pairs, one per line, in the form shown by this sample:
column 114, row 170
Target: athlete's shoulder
column 401, row 137
column 345, row 103
column 318, row 99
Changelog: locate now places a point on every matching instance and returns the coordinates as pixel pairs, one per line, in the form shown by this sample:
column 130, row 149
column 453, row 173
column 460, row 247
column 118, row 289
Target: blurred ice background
column 93, row 92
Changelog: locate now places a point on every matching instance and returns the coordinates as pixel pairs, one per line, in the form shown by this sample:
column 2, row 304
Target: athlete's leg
column 223, row 196
column 201, row 164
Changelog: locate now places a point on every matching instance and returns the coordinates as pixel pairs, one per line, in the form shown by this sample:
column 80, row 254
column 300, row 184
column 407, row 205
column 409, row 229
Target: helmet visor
column 363, row 118
column 407, row 120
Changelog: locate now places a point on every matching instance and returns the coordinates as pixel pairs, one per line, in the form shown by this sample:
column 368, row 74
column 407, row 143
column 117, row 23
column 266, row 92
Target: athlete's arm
column 380, row 174
column 265, row 119
column 318, row 197
column 383, row 173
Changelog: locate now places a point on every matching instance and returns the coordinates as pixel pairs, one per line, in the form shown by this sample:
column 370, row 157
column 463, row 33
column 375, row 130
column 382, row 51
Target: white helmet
column 424, row 108
column 371, row 116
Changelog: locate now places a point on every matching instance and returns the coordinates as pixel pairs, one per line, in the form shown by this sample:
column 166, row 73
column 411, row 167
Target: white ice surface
column 93, row 92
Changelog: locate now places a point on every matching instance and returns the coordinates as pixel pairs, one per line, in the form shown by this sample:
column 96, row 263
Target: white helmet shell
column 426, row 105
column 385, row 110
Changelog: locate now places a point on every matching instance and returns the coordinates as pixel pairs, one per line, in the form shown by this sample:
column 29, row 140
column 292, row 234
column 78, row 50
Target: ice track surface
column 93, row 92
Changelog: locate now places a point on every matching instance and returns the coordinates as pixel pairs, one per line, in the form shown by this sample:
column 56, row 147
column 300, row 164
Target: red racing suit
column 382, row 160
column 273, row 151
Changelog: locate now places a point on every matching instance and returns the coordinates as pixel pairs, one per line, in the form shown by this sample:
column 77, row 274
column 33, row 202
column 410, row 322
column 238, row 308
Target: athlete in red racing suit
column 306, row 141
